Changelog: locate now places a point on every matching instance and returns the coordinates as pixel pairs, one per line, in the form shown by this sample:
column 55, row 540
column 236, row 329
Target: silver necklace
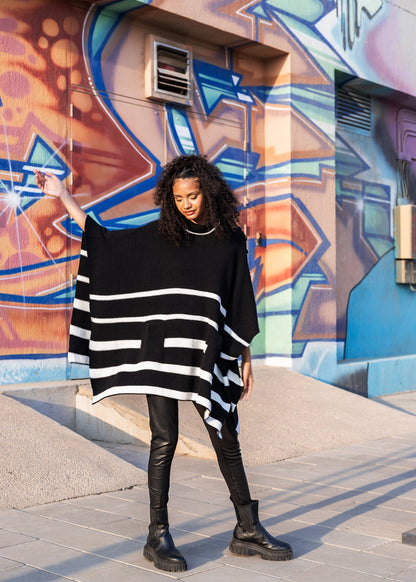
column 201, row 233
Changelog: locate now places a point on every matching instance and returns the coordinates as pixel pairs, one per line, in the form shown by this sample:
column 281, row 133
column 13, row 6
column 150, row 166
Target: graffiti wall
column 316, row 195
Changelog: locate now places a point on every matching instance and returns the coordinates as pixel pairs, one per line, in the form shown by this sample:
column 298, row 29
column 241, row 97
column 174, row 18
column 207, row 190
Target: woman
column 166, row 310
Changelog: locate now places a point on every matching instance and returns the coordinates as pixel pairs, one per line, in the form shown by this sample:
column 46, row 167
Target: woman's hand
column 246, row 374
column 50, row 184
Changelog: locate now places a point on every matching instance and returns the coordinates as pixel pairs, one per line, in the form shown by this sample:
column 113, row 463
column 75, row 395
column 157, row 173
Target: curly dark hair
column 220, row 200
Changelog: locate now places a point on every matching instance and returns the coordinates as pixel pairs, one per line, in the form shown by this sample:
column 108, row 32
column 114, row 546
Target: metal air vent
column 354, row 111
column 168, row 72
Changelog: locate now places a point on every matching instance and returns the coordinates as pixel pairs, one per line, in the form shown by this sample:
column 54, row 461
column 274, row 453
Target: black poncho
column 151, row 317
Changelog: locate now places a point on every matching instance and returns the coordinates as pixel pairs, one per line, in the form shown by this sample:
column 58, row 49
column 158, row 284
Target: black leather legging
column 163, row 416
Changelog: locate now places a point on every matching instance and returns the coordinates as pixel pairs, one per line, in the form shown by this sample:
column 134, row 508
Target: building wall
column 266, row 75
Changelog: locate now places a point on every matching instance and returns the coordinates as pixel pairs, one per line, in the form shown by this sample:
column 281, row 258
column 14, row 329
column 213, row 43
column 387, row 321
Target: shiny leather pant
column 163, row 416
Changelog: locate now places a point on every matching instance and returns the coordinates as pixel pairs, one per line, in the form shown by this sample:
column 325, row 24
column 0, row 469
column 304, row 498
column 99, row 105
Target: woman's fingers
column 48, row 183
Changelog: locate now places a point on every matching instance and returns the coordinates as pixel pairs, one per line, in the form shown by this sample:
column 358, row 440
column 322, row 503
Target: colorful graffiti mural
column 315, row 202
column 35, row 296
column 352, row 14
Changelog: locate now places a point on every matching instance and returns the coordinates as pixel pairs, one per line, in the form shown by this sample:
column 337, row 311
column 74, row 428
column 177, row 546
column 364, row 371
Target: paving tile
column 408, row 575
column 76, row 515
column 202, row 526
column 202, row 508
column 288, row 526
column 138, row 494
column 385, row 530
column 209, row 485
column 352, row 499
column 228, row 574
column 265, row 494
column 190, row 573
column 189, row 491
column 404, row 486
column 319, row 490
column 76, row 538
column 52, row 558
column 110, row 571
column 8, row 538
column 395, row 550
column 351, row 540
column 312, row 467
column 358, row 561
column 325, row 573
column 104, row 572
column 410, row 493
column 130, row 528
column 320, row 516
column 406, row 462
column 188, row 475
column 300, row 473
column 302, row 548
column 256, row 565
column 25, row 574
column 6, row 517
column 200, row 554
column 389, row 514
column 85, row 567
column 326, row 460
column 203, row 553
column 6, row 564
column 194, row 490
column 114, row 506
column 183, row 538
column 275, row 507
column 304, row 499
column 403, row 503
column 336, row 537
column 98, row 543
column 216, row 497
column 28, row 524
column 185, row 464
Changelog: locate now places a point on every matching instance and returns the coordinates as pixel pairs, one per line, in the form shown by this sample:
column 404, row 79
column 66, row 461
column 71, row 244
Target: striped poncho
column 151, row 317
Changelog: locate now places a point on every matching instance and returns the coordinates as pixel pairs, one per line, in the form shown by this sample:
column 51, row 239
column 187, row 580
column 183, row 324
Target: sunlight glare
column 12, row 199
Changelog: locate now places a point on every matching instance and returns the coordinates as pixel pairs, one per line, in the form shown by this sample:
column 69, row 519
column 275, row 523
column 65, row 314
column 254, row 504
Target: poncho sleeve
column 241, row 323
column 80, row 328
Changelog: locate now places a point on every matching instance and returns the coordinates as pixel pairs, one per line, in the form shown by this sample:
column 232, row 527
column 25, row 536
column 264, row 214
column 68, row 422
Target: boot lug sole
column 251, row 549
column 162, row 564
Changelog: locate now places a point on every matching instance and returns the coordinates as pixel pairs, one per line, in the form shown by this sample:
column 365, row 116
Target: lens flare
column 11, row 198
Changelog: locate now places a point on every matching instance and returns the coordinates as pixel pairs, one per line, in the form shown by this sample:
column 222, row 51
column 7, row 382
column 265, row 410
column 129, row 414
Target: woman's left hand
column 246, row 374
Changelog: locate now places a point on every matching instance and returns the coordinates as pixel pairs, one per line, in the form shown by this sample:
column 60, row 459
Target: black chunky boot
column 159, row 547
column 251, row 538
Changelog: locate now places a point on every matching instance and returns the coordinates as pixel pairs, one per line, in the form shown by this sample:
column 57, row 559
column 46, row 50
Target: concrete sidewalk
column 343, row 510
column 46, row 453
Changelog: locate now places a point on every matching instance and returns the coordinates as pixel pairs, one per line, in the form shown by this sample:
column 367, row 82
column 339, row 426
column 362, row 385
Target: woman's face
column 189, row 200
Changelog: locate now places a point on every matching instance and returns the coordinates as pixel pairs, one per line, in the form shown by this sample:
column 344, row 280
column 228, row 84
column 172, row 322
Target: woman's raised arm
column 51, row 185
